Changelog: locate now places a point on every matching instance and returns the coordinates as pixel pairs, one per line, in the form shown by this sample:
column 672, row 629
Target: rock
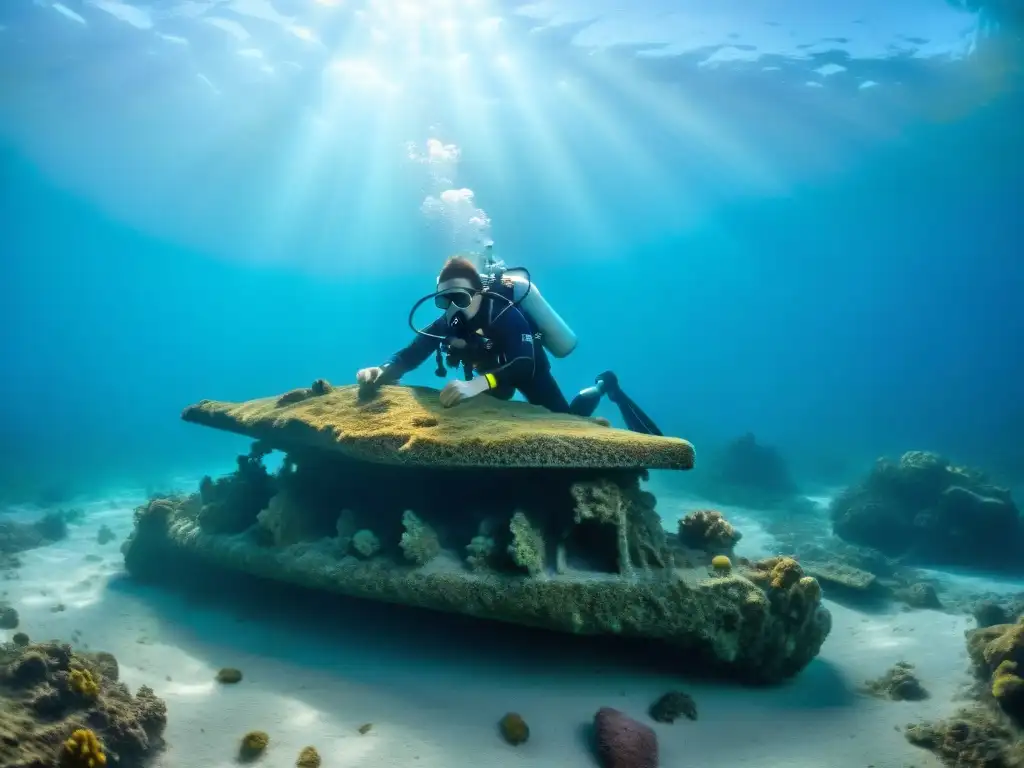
column 622, row 742
column 926, row 510
column 562, row 536
column 988, row 731
column 898, row 684
column 672, row 706
column 104, row 535
column 514, row 729
column 920, row 595
column 988, row 613
column 748, row 473
column 39, row 709
column 229, row 675
column 843, row 579
column 17, row 537
column 8, row 617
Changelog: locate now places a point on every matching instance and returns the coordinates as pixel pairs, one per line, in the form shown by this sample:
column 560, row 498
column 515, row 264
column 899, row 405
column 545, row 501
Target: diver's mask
column 455, row 301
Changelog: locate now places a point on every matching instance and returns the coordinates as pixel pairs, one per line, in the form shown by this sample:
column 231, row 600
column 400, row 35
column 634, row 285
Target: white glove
column 456, row 391
column 368, row 375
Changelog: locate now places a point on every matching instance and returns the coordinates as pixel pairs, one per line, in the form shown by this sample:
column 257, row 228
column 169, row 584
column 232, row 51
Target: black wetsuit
column 500, row 340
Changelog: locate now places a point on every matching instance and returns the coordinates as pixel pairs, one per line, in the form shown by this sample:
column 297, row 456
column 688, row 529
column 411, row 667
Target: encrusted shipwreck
column 494, row 509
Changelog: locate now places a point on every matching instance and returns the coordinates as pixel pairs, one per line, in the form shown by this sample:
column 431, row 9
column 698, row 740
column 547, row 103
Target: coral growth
column 419, row 542
column 708, row 530
column 721, row 565
column 514, row 729
column 57, row 705
column 82, row 750
column 898, row 684
column 527, row 547
column 366, row 543
column 83, row 683
column 231, row 504
column 480, row 553
column 308, row 758
column 925, row 509
column 989, row 732
column 253, row 745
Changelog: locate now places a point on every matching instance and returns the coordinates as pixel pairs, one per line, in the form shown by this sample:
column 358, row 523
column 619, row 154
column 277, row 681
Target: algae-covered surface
column 725, row 623
column 408, row 425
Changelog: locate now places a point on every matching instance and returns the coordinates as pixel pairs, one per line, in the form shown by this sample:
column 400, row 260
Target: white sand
column 434, row 693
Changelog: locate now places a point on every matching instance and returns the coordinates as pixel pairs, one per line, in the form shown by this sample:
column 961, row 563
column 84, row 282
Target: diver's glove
column 368, row 376
column 456, row 391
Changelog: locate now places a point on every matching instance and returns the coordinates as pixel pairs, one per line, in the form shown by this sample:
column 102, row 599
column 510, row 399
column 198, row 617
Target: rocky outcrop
column 925, row 509
column 51, row 696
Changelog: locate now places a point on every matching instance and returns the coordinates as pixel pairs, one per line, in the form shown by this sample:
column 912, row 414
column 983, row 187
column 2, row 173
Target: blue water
column 799, row 222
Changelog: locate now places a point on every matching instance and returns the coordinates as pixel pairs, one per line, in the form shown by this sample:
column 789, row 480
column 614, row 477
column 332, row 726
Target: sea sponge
column 419, row 541
column 514, row 729
column 366, row 543
column 527, row 547
column 623, row 742
column 308, row 758
column 254, row 743
column 82, row 750
column 82, row 682
column 708, row 530
column 721, row 564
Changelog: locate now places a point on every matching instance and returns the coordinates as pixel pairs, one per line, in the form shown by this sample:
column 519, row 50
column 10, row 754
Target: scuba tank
column 555, row 334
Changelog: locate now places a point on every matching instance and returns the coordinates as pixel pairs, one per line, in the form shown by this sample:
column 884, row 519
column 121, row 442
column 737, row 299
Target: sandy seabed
column 434, row 687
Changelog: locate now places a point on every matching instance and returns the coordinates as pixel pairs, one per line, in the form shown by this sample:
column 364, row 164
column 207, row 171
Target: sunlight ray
column 557, row 168
column 631, row 155
column 666, row 105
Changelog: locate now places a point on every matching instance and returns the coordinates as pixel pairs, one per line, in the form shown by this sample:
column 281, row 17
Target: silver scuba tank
column 555, row 334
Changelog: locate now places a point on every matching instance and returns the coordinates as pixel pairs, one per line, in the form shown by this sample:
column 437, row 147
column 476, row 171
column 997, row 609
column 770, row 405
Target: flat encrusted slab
column 408, row 425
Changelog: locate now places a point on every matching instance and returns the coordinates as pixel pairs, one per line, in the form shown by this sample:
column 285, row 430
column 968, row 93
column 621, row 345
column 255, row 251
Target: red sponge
column 622, row 742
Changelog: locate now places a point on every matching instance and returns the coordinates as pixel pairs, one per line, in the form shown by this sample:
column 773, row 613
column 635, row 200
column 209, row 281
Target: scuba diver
column 499, row 328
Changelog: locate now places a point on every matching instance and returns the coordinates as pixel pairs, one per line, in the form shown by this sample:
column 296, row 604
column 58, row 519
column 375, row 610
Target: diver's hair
column 461, row 267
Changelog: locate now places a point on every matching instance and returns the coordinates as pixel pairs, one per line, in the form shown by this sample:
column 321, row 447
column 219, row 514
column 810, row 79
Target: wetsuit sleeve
column 513, row 340
column 413, row 356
